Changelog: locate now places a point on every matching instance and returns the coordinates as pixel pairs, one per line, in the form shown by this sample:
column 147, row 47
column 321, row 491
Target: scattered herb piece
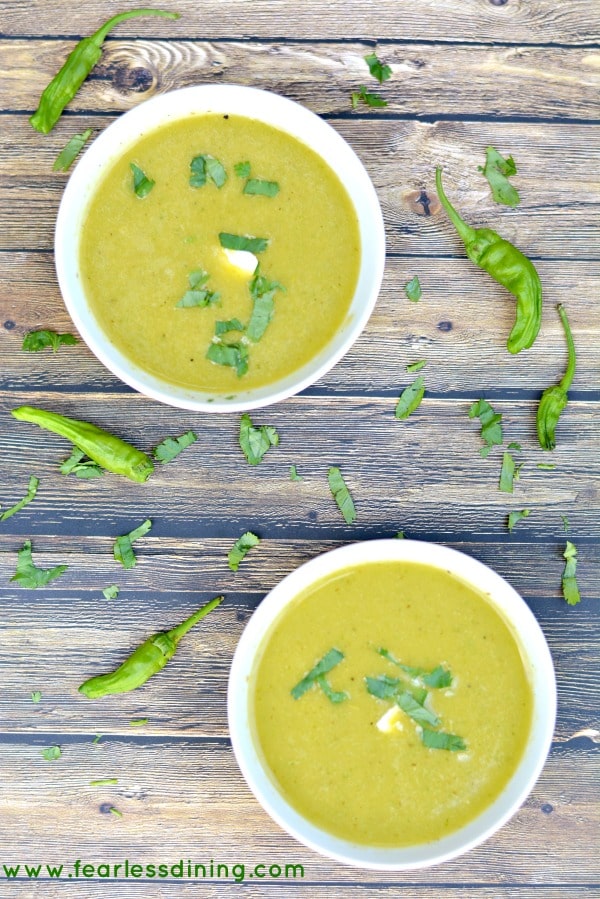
column 234, row 355
column 491, row 429
column 258, row 188
column 142, row 185
column 35, row 341
column 123, row 548
column 108, row 451
column 51, row 753
column 438, row 677
column 232, row 324
column 400, row 535
column 138, row 722
column 410, row 398
column 262, row 292
column 331, row 694
column 369, row 99
column 96, row 739
column 170, row 447
column 565, row 522
column 242, row 169
column 414, row 709
column 77, row 67
column 518, row 470
column 28, row 575
column 507, row 473
column 105, row 782
column 515, row 517
column 206, row 168
column 555, row 398
column 243, row 242
column 197, row 295
column 240, row 548
column 546, row 466
column 111, row 592
column 382, row 686
column 71, row 151
column 569, row 578
column 81, row 469
column 294, row 476
column 314, row 676
column 436, row 739
column 497, row 170
column 115, row 811
column 412, row 289
column 31, row 492
column 148, row 659
column 36, row 696
column 377, row 68
column 341, row 494
column 514, row 446
column 414, row 367
column 256, row 441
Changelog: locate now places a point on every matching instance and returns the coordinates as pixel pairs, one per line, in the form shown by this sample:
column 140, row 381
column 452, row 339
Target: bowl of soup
column 392, row 703
column 219, row 247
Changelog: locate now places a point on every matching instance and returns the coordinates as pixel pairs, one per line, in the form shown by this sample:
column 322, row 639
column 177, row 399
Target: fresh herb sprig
column 256, row 441
column 29, row 575
column 123, row 546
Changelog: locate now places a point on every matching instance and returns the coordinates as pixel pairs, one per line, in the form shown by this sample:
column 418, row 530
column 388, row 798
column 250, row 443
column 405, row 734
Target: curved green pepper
column 508, row 266
column 108, row 451
column 555, row 398
column 148, row 659
column 77, row 67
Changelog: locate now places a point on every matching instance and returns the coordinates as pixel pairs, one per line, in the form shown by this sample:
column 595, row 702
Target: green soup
column 138, row 255
column 423, row 653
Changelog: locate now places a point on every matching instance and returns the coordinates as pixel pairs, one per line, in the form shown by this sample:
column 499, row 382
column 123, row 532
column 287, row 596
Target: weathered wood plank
column 558, row 215
column 460, row 326
column 541, row 21
column 424, row 474
column 200, row 809
column 181, row 890
column 560, row 82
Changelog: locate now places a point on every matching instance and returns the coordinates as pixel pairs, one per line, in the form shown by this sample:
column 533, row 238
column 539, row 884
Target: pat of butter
column 391, row 721
column 243, row 260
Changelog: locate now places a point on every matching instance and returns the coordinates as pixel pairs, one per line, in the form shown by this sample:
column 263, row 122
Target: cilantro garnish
column 138, row 722
column 170, row 447
column 491, row 429
column 565, row 522
column 259, row 188
column 316, row 677
column 414, row 367
column 123, row 548
column 142, row 185
column 28, row 575
column 110, row 592
column 341, row 494
column 81, row 469
column 412, row 289
column 255, row 441
column 51, row 753
column 104, row 782
column 546, row 466
column 234, row 355
column 507, row 473
column 197, row 295
column 116, row 812
column 369, row 99
column 377, row 69
column 35, row 341
column 31, row 492
column 71, row 150
column 410, row 398
column 36, row 696
column 515, row 517
column 569, row 578
column 240, row 548
column 294, row 476
column 243, row 242
column 262, row 292
column 437, row 739
column 224, row 327
column 497, row 170
column 206, row 168
column 242, row 169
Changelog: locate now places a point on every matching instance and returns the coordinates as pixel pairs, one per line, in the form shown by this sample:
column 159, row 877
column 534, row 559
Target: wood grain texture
column 188, row 800
column 560, row 82
column 527, row 21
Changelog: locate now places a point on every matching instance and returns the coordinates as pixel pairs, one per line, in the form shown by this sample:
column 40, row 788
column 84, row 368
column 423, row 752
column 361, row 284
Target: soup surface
column 427, row 662
column 139, row 255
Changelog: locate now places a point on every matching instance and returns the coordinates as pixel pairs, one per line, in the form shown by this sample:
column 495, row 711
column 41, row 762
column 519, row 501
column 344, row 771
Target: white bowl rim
column 529, row 636
column 251, row 102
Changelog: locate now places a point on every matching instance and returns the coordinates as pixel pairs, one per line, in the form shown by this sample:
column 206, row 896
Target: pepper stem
column 570, row 372
column 99, row 36
column 465, row 231
column 181, row 630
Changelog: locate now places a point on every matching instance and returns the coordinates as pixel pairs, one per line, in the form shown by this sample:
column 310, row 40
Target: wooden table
column 521, row 76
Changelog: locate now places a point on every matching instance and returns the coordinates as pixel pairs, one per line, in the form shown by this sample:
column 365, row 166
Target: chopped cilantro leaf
column 410, row 398
column 138, row 722
column 400, row 535
column 262, row 292
column 258, row 188
column 377, row 68
column 110, row 592
column 28, row 575
column 414, row 709
column 36, row 696
column 123, row 548
column 71, row 151
column 436, row 739
column 35, row 341
column 382, row 686
column 414, row 367
column 242, row 169
column 331, row 694
column 367, row 98
column 491, row 429
column 497, row 170
column 81, row 469
column 170, row 447
column 31, row 492
column 322, row 667
column 565, row 522
column 569, row 579
column 507, row 473
column 243, row 242
column 51, row 753
column 206, row 168
column 255, row 441
column 294, row 476
column 240, row 548
column 412, row 289
column 224, row 327
column 104, row 782
column 515, row 517
column 142, row 185
column 514, row 446
column 341, row 494
column 546, row 466
column 116, row 812
column 234, row 355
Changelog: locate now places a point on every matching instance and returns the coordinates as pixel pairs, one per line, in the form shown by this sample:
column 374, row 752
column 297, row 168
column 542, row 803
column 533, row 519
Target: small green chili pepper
column 77, row 67
column 105, row 449
column 555, row 398
column 508, row 266
column 148, row 659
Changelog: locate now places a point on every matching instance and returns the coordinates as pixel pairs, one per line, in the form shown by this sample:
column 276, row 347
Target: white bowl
column 536, row 656
column 266, row 107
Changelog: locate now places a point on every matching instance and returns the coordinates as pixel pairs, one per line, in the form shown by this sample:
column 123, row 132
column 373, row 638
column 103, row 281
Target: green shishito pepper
column 508, row 266
column 555, row 398
column 148, row 659
column 77, row 67
column 105, row 449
